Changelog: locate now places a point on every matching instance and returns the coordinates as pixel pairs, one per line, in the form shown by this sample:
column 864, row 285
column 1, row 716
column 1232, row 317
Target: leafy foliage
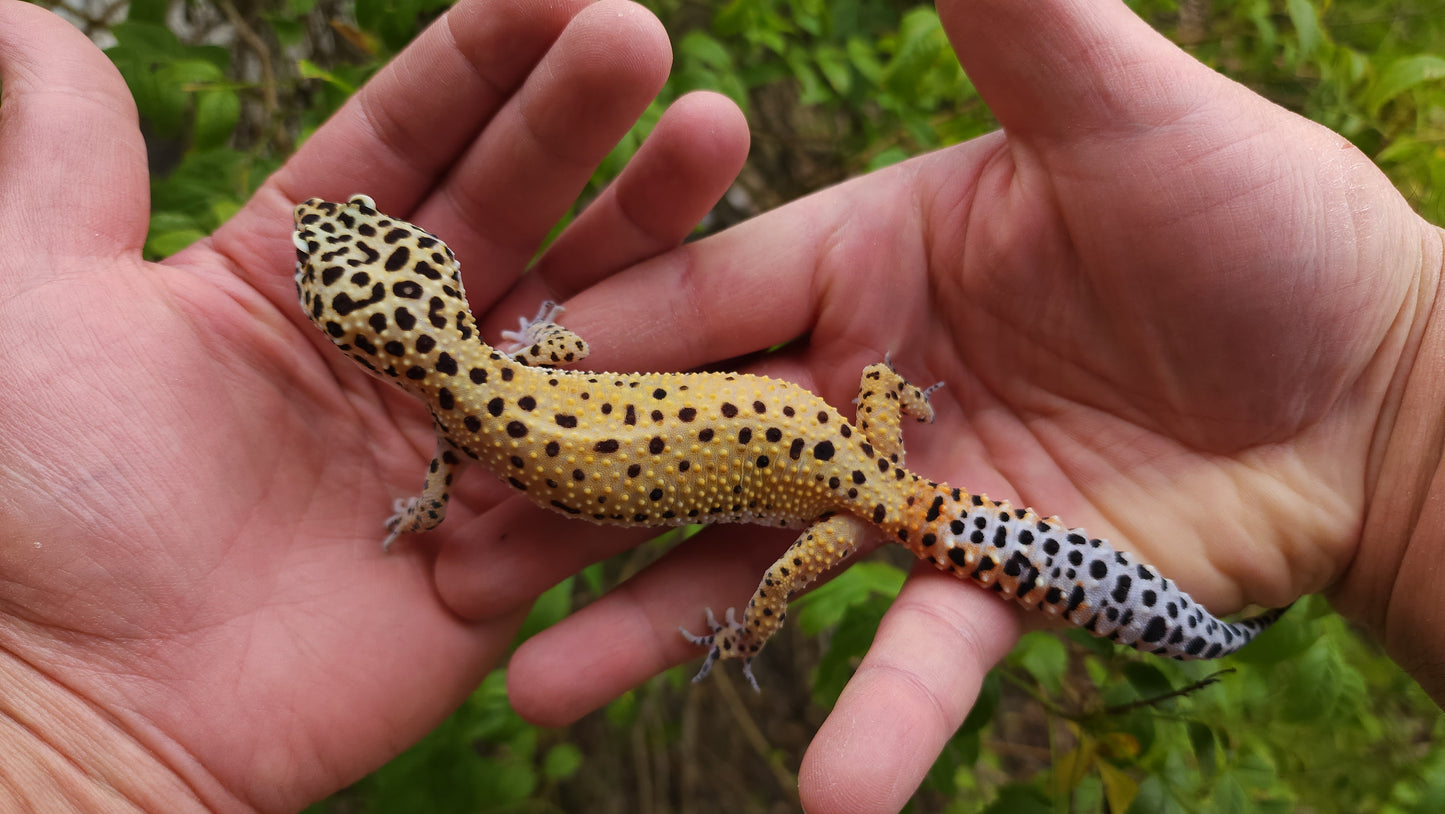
column 1309, row 718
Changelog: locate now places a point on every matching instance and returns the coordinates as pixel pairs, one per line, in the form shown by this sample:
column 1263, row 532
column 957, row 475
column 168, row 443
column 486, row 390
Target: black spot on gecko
column 1154, row 631
column 823, row 451
column 1121, row 588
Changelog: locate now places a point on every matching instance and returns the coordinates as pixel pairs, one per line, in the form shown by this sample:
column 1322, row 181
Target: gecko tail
column 1046, row 566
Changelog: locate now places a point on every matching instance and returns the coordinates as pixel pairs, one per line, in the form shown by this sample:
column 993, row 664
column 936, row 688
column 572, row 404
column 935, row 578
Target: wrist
column 1396, row 585
column 59, row 751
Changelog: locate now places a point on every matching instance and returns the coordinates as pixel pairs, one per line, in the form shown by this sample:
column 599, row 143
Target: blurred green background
column 1312, row 718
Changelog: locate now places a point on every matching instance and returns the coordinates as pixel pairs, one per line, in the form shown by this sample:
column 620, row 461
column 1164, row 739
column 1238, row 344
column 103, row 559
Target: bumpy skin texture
column 675, row 448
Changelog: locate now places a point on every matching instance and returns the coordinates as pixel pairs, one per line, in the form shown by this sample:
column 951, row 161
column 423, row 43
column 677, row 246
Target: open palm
column 1164, row 308
column 194, row 601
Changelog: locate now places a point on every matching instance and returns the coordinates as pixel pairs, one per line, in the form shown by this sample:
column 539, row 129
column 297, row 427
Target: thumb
column 1058, row 68
column 70, row 145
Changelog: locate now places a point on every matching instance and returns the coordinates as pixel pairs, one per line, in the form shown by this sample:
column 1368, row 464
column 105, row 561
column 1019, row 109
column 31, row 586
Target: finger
column 70, row 146
column 478, row 86
column 509, row 554
column 539, row 151
column 1062, row 67
column 908, row 697
column 401, row 132
column 835, row 255
column 407, row 126
column 631, row 634
column 681, row 171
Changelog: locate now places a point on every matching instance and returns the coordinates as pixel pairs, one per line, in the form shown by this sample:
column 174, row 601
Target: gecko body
column 665, row 449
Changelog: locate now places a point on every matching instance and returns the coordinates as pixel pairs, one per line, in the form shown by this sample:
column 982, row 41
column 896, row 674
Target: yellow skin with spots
column 663, row 449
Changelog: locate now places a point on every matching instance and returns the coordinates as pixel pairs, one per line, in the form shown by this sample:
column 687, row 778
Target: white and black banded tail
column 1063, row 572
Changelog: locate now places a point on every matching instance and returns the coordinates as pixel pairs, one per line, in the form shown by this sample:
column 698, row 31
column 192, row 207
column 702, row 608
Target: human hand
column 194, row 606
column 1164, row 308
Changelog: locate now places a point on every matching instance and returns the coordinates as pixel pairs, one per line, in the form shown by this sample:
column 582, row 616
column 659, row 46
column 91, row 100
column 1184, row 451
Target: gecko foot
column 722, row 643
column 530, row 331
column 402, row 509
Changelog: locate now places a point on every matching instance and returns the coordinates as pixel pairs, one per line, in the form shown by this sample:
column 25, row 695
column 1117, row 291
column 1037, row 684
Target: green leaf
column 217, row 113
column 1306, row 24
column 1202, row 742
column 1229, row 797
column 1147, row 679
column 985, row 705
column 1044, row 657
column 1402, row 75
column 147, row 11
column 824, row 607
column 151, row 40
column 834, row 64
column 561, row 762
column 165, row 244
column 699, row 46
column 864, row 56
column 1016, row 798
column 812, row 91
column 310, row 70
column 1313, row 690
column 851, row 640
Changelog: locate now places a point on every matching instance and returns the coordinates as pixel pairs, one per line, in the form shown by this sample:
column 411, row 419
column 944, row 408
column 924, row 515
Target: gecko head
column 384, row 291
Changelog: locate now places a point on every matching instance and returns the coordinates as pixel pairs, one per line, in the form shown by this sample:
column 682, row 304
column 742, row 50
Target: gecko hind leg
column 822, row 546
column 428, row 509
